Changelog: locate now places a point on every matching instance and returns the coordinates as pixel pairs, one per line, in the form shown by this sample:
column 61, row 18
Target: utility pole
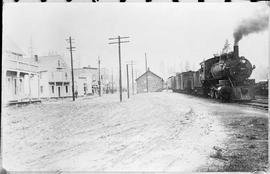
column 72, row 74
column 146, row 70
column 112, row 81
column 132, row 74
column 127, row 82
column 119, row 53
column 99, row 82
column 132, row 77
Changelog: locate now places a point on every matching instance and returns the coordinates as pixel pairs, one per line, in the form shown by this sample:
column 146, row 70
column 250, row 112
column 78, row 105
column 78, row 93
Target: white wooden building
column 83, row 78
column 20, row 77
column 55, row 77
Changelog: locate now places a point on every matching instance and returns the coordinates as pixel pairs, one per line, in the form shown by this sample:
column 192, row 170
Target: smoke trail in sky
column 259, row 22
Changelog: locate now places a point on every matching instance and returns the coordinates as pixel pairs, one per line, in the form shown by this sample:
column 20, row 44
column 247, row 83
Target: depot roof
column 148, row 71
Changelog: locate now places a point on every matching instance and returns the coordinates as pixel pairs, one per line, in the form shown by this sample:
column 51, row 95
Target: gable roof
column 50, row 63
column 148, row 72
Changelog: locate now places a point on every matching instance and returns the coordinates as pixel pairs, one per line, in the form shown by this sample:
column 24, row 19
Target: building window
column 58, row 63
column 9, row 83
column 15, row 86
column 66, row 75
column 66, row 89
column 20, row 85
column 52, row 89
column 41, row 89
column 52, row 75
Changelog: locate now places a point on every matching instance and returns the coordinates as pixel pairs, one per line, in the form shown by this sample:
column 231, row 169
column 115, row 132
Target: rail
column 258, row 104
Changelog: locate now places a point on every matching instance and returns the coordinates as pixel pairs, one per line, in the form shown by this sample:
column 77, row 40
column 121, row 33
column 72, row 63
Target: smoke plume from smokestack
column 254, row 25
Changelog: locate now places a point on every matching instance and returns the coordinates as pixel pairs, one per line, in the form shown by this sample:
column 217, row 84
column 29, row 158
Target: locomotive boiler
column 233, row 67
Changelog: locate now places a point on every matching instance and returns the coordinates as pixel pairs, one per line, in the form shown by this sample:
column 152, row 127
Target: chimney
column 236, row 51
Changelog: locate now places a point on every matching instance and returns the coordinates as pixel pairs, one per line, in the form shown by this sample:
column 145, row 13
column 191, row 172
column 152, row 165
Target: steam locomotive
column 222, row 77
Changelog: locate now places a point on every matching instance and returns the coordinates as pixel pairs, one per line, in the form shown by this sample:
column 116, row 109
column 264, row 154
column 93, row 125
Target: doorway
column 59, row 89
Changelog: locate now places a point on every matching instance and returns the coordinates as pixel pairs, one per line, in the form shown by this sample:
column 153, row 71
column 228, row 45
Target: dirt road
column 149, row 132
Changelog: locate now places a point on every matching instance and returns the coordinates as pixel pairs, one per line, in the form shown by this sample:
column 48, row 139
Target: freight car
column 261, row 88
column 222, row 77
column 187, row 82
column 171, row 82
column 184, row 82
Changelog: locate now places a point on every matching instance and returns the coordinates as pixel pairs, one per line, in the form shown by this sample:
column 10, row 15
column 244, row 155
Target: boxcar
column 178, row 82
column 187, row 82
column 173, row 83
column 169, row 82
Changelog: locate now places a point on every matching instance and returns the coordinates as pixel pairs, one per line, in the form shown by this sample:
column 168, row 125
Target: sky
column 173, row 36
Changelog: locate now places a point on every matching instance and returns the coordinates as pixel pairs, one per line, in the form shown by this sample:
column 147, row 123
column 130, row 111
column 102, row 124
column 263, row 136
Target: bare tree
column 162, row 68
column 187, row 66
column 180, row 67
column 193, row 67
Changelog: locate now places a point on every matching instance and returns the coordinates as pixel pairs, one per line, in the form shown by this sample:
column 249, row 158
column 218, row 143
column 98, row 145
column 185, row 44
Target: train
column 224, row 77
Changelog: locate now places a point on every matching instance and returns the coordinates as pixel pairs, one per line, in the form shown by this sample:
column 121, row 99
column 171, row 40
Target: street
column 160, row 131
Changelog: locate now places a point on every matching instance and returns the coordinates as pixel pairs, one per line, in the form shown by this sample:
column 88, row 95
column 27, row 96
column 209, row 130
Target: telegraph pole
column 127, row 82
column 112, row 81
column 132, row 77
column 119, row 53
column 99, row 82
column 72, row 74
column 146, row 69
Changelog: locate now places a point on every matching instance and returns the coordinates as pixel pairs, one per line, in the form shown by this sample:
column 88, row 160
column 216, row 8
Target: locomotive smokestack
column 236, row 51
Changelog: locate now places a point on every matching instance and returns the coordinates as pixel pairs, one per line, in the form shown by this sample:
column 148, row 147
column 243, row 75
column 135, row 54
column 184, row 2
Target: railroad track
column 257, row 104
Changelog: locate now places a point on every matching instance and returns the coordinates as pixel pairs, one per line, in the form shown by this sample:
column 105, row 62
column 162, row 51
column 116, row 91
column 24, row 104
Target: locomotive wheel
column 225, row 97
column 212, row 94
column 216, row 95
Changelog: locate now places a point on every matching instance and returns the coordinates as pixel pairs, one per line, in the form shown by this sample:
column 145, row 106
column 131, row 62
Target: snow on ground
column 149, row 132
